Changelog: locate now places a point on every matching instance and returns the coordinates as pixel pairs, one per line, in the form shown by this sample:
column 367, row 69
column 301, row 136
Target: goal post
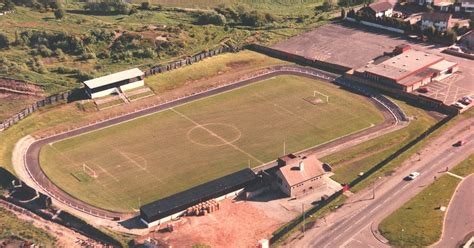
column 89, row 171
column 321, row 94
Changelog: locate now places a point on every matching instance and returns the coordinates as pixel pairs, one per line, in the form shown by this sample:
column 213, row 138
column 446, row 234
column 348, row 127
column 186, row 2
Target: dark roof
column 180, row 201
column 436, row 17
column 380, row 6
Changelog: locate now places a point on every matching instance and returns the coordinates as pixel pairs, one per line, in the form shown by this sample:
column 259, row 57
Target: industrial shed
column 114, row 83
column 165, row 209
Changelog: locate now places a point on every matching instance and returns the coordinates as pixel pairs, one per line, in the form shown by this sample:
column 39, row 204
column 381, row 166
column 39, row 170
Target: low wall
column 298, row 59
column 33, row 108
column 454, row 53
column 375, row 25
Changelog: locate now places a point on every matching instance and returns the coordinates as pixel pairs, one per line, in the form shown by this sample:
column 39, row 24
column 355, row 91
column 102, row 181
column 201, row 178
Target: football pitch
column 127, row 165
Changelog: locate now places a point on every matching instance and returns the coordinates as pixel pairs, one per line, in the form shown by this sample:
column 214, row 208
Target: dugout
column 163, row 210
column 114, row 83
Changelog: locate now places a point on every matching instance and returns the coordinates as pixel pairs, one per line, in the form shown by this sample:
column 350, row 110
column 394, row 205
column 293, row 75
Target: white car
column 413, row 175
column 459, row 105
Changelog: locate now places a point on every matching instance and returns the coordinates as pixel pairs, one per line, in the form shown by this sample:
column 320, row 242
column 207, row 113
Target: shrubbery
column 211, row 17
column 244, row 16
column 108, row 6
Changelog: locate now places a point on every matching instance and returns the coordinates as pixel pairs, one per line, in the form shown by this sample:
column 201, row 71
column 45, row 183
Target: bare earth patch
column 236, row 224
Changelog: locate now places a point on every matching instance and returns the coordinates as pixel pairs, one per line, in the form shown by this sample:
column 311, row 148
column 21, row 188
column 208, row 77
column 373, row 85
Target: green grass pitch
column 152, row 157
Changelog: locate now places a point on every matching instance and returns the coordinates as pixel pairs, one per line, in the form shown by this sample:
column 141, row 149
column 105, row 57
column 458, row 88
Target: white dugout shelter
column 114, row 83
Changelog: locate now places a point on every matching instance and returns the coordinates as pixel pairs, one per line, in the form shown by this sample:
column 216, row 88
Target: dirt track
column 31, row 153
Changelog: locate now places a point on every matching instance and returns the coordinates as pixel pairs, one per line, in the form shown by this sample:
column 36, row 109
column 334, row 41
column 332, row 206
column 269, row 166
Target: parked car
column 465, row 100
column 413, row 175
column 459, row 143
column 423, row 89
column 459, row 105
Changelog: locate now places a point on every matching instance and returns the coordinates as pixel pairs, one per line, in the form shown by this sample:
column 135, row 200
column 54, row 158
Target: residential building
column 440, row 21
column 379, row 9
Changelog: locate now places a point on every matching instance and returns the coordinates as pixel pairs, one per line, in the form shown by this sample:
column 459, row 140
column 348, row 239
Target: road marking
column 454, row 175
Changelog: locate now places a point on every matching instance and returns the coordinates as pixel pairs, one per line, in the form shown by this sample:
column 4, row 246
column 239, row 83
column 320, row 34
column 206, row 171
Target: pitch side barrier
column 297, row 221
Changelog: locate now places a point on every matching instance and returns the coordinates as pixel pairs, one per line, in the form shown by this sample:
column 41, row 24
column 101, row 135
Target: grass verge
column 419, row 222
column 349, row 163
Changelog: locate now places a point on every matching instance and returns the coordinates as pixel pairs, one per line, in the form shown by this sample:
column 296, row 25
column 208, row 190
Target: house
column 299, row 175
column 379, row 9
column 441, row 21
column 467, row 5
column 442, row 5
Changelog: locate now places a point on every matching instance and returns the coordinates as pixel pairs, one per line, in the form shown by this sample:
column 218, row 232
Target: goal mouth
column 89, row 171
column 314, row 100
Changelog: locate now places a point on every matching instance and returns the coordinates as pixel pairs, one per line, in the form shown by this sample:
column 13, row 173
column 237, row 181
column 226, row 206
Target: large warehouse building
column 114, row 83
column 407, row 69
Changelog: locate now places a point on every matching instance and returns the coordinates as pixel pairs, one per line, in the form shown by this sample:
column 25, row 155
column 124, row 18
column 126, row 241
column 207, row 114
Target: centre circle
column 214, row 134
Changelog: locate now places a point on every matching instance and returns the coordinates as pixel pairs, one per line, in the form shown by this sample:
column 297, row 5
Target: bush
column 145, row 5
column 211, row 17
column 59, row 13
column 4, row 41
column 44, row 51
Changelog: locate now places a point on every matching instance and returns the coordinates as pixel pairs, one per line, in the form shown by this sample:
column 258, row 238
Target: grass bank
column 349, row 163
column 225, row 64
column 419, row 222
column 10, row 226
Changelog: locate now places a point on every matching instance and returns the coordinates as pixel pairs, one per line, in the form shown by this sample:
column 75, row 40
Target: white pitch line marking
column 216, row 135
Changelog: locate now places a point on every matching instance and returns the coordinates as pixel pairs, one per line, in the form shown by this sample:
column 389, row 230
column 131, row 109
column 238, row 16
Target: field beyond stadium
column 124, row 166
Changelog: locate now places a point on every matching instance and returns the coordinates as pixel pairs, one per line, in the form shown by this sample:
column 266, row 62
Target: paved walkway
column 459, row 220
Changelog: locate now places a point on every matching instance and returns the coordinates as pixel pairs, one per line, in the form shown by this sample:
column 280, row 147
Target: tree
column 59, row 13
column 145, row 5
column 343, row 13
column 4, row 42
column 8, row 5
column 327, row 5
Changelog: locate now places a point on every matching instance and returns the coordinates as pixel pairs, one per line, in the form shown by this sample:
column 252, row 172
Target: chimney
column 301, row 165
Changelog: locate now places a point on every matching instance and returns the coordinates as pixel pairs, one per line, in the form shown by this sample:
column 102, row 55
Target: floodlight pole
column 284, row 148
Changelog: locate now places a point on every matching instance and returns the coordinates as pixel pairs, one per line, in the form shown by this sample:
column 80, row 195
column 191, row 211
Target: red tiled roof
column 380, row 6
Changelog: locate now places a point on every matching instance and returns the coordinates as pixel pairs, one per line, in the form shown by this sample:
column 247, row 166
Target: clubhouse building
column 114, row 83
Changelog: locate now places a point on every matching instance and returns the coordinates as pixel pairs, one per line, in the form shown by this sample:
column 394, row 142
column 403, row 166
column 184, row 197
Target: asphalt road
column 356, row 223
column 42, row 181
column 459, row 220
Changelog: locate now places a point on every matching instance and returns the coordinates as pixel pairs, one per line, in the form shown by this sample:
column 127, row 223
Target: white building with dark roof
column 114, row 83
